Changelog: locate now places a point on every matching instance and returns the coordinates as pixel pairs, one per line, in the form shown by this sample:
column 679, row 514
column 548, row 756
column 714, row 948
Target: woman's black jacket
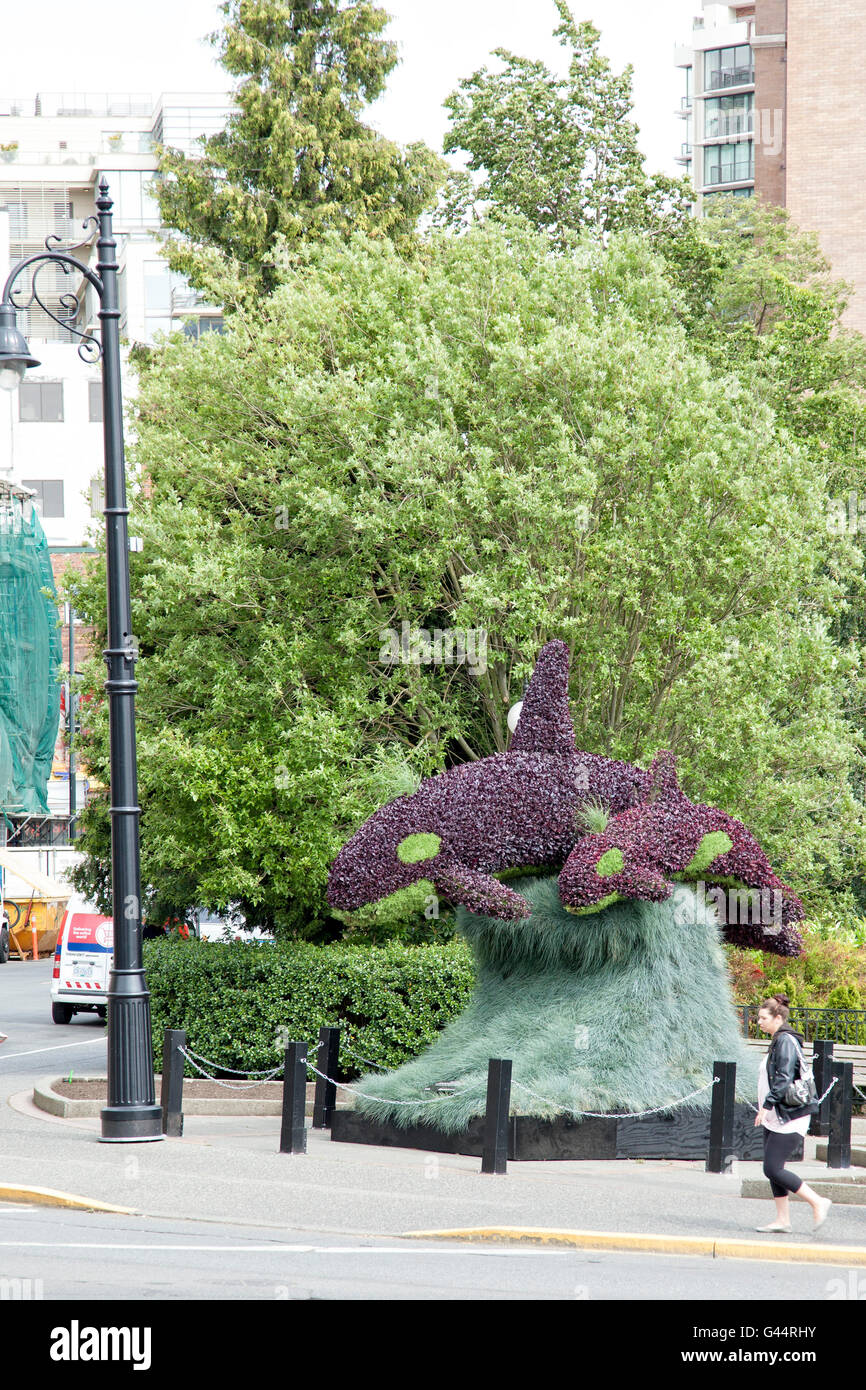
column 783, row 1067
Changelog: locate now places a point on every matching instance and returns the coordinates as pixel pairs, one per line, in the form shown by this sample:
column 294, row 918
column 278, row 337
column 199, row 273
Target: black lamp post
column 132, row 1113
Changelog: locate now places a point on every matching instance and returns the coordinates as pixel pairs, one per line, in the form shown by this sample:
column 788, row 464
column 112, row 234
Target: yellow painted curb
column 48, row 1197
column 657, row 1244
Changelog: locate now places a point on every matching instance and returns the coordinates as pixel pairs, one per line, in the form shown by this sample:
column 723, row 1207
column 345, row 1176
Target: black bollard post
column 841, row 1099
column 822, row 1058
column 721, row 1151
column 171, row 1097
column 495, row 1153
column 326, row 1092
column 293, row 1132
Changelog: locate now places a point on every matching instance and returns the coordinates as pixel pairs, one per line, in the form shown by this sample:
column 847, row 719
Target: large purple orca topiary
column 642, row 852
column 520, row 812
column 513, row 811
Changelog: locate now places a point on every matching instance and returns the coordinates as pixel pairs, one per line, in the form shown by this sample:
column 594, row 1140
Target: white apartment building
column 54, row 149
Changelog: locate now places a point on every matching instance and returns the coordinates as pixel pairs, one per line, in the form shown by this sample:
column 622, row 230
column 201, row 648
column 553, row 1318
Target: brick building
column 774, row 91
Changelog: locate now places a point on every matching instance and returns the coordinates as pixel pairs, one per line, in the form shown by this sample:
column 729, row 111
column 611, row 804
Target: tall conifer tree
column 295, row 159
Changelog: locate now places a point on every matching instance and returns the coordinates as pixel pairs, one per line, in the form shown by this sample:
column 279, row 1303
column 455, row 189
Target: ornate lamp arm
column 89, row 349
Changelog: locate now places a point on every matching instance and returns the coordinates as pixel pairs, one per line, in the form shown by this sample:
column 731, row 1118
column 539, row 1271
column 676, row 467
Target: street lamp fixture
column 131, row 1114
column 14, row 353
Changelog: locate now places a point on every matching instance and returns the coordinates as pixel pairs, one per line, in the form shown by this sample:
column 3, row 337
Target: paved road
column 85, row 1255
column 25, row 1014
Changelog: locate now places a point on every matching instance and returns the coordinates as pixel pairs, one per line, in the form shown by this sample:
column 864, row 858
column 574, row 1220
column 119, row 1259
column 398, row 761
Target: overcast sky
column 54, row 46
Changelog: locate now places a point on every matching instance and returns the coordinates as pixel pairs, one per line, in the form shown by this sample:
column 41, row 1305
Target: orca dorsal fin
column 664, row 782
column 545, row 724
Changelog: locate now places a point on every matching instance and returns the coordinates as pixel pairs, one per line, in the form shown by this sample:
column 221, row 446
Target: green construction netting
column 30, row 658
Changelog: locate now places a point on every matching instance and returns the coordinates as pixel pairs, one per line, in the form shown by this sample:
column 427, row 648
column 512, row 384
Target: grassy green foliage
column 486, row 437
column 624, row 1010
column 240, row 1003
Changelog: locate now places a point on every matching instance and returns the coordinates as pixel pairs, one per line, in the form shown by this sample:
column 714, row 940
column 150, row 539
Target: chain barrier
column 624, row 1115
column 366, row 1060
column 228, row 1085
column 188, row 1052
column 194, row 1058
column 386, row 1100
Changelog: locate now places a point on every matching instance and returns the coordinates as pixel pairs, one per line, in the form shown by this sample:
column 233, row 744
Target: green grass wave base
column 622, row 1010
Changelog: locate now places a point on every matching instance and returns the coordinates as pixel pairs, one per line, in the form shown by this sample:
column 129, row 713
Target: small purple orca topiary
column 643, row 851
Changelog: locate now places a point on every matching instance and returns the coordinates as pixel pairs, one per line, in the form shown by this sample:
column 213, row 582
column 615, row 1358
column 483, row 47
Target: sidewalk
column 228, row 1169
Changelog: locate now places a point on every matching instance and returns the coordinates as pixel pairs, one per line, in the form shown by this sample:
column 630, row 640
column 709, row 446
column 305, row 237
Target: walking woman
column 782, row 1124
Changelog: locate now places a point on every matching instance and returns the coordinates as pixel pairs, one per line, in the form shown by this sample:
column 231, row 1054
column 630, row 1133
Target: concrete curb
column 656, row 1244
column 46, row 1098
column 48, row 1197
column 858, row 1154
column 845, row 1188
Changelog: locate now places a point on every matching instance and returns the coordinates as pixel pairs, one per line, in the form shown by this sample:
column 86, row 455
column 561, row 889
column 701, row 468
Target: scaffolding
column 30, row 656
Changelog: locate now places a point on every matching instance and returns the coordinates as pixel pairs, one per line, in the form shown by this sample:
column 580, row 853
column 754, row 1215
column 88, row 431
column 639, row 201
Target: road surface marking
column 61, row 1047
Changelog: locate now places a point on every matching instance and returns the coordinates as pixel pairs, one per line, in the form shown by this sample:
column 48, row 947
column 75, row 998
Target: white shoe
column 825, row 1206
column 775, row 1226
column 3, row 1037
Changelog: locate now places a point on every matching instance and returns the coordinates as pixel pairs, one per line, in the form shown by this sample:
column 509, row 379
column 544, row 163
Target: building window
column 728, row 67
column 157, row 287
column 40, row 400
column 730, row 193
column 49, row 495
column 97, row 496
column 17, row 219
column 195, row 328
column 725, row 116
column 94, row 389
column 729, row 163
column 134, row 205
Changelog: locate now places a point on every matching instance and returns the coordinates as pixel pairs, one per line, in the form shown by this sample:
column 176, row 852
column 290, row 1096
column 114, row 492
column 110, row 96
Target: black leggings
column 777, row 1150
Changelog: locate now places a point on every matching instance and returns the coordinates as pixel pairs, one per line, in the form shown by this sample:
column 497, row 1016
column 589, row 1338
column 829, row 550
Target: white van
column 82, row 961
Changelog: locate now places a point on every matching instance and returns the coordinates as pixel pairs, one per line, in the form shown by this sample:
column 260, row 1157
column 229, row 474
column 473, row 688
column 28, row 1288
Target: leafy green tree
column 484, row 438
column 563, row 151
column 295, row 159
column 759, row 297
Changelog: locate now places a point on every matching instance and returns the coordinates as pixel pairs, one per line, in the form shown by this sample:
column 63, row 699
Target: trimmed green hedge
column 240, row 1003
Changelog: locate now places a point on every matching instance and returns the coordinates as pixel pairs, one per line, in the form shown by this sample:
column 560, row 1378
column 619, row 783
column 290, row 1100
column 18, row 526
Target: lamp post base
column 132, row 1115
column 131, row 1124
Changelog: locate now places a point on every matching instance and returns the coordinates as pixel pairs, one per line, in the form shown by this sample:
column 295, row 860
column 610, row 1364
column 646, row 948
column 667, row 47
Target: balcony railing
column 730, row 173
column 686, row 103
column 730, row 77
column 131, row 143
column 733, row 123
column 78, row 104
column 686, row 151
column 186, row 299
